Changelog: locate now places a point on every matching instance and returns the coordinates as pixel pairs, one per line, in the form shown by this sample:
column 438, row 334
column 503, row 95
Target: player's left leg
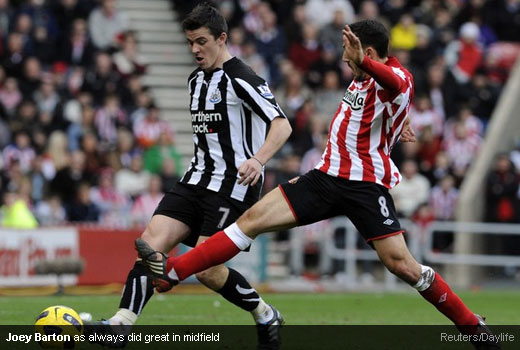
column 234, row 287
column 394, row 254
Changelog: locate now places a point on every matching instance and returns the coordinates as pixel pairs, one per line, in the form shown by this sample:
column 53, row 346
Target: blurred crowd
column 83, row 140
column 459, row 52
column 81, row 137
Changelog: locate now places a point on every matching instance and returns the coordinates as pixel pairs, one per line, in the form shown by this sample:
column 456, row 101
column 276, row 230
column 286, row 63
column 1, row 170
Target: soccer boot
column 480, row 335
column 107, row 335
column 155, row 261
column 486, row 341
column 269, row 332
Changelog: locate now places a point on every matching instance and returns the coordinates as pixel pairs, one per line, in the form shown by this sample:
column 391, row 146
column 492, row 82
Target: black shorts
column 317, row 196
column 204, row 211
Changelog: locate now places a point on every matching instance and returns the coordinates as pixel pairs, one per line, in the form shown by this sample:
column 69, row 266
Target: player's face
column 205, row 48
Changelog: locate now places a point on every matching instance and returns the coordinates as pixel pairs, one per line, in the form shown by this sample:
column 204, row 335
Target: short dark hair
column 205, row 15
column 372, row 33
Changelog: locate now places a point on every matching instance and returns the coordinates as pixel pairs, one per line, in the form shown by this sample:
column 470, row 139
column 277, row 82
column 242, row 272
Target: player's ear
column 222, row 39
column 369, row 51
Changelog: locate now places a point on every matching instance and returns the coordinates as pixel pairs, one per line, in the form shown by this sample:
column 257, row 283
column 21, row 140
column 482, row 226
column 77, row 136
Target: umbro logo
column 388, row 222
column 442, row 299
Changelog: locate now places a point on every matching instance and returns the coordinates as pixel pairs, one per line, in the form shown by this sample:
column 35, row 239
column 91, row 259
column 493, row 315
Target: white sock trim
column 426, row 278
column 263, row 313
column 124, row 317
column 237, row 236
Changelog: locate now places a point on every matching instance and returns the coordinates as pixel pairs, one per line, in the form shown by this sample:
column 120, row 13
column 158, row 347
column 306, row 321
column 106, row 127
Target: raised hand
column 352, row 49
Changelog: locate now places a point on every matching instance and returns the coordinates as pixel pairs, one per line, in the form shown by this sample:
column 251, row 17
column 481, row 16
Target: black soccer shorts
column 204, row 211
column 317, row 196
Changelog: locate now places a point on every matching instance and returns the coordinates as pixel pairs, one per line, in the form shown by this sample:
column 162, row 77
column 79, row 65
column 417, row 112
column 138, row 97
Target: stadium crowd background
column 82, row 140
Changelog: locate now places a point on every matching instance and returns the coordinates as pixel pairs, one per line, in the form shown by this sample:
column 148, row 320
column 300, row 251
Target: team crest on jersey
column 215, row 96
column 355, row 101
column 265, row 92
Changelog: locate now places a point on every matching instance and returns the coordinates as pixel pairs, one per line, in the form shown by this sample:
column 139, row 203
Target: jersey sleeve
column 255, row 93
column 384, row 75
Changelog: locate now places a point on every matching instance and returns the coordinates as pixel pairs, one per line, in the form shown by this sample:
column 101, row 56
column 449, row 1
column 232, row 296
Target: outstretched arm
column 382, row 73
column 251, row 170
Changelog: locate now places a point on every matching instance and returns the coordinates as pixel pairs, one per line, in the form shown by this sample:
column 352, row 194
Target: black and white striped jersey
column 231, row 110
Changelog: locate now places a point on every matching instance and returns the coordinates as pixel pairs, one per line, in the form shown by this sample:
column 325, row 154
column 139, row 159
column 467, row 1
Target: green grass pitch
column 500, row 307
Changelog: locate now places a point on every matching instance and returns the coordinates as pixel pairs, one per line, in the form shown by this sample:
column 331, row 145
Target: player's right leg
column 394, row 254
column 310, row 199
column 271, row 213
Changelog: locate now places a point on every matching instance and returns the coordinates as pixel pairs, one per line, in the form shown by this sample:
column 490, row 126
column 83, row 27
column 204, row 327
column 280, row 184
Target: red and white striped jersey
column 368, row 123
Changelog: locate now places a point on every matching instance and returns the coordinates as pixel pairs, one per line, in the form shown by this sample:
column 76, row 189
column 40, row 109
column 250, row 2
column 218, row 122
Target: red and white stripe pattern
column 367, row 124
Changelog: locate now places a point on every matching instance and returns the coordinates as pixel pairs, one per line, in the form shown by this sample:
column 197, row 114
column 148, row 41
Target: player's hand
column 352, row 49
column 250, row 172
column 408, row 135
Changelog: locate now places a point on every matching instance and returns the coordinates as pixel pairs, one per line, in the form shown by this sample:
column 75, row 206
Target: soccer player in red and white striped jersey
column 352, row 179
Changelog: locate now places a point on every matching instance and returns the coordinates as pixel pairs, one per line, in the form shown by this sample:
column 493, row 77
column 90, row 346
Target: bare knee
column 214, row 277
column 249, row 222
column 407, row 270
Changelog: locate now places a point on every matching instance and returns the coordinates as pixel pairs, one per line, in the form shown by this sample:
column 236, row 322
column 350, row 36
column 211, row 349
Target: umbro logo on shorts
column 388, row 222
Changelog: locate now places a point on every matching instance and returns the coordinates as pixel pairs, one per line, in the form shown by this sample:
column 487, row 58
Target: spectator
column 10, row 96
column 413, row 190
column 148, row 130
column 133, row 180
column 155, row 155
column 14, row 55
column 270, row 42
column 461, row 148
column 422, row 115
column 125, row 147
column 443, row 198
column 404, row 34
column 106, row 24
column 82, row 209
column 293, row 93
column 322, row 12
column 6, row 17
column 308, row 51
column 16, row 213
column 146, row 203
column 50, row 212
column 127, row 61
column 20, row 151
column 77, row 49
column 67, row 180
column 57, row 150
column 330, row 35
column 31, row 78
column 502, row 204
column 327, row 62
column 293, row 27
column 328, row 95
column 170, row 174
column 465, row 55
column 251, row 57
column 102, row 80
column 109, row 119
column 113, row 205
column 46, row 98
column 75, row 131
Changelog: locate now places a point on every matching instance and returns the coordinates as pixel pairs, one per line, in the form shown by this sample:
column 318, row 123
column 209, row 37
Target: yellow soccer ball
column 58, row 327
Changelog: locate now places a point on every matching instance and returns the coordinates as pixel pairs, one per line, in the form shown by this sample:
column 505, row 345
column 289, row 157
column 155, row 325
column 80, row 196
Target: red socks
column 446, row 301
column 214, row 251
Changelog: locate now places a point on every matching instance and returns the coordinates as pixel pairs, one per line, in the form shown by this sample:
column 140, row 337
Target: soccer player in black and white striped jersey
column 237, row 128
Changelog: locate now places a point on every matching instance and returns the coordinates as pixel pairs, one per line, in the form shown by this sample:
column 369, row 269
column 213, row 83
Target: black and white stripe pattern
column 138, row 289
column 231, row 110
